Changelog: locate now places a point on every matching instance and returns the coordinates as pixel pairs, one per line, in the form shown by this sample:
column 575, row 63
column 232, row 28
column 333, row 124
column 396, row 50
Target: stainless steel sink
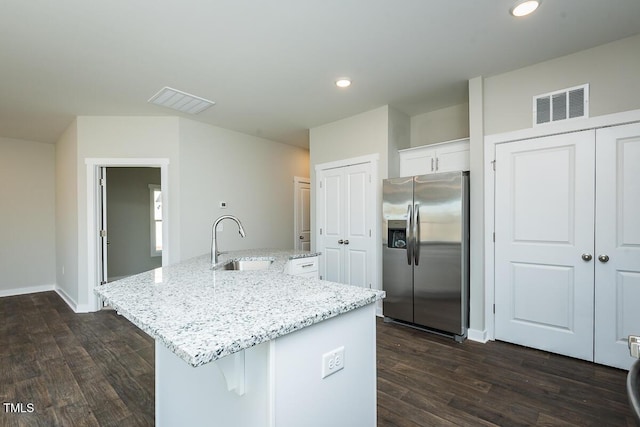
column 247, row 265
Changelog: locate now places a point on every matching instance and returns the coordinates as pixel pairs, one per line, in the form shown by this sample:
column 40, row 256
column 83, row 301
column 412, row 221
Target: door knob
column 301, row 237
column 340, row 241
column 346, row 242
column 603, row 258
column 587, row 257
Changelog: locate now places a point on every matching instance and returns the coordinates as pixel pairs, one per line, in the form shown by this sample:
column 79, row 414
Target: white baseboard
column 478, row 335
column 66, row 298
column 77, row 308
column 28, row 290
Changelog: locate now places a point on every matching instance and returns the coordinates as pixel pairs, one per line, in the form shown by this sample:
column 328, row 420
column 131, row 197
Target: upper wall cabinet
column 442, row 157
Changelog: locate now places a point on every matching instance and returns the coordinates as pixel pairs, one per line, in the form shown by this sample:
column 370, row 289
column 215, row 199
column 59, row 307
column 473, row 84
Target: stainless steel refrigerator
column 425, row 250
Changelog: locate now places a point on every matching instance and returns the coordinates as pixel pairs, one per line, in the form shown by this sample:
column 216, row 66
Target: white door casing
column 543, row 225
column 302, row 216
column 93, row 166
column 345, row 218
column 617, row 237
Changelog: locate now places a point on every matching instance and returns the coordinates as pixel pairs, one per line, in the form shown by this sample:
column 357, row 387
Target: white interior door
column 345, row 217
column 357, row 227
column 617, row 292
column 544, row 225
column 102, row 226
column 330, row 215
column 302, row 215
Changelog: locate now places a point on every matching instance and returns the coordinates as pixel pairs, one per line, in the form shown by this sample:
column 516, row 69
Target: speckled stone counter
column 202, row 314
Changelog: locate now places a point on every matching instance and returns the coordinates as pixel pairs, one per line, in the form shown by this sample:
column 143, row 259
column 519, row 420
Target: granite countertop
column 202, row 314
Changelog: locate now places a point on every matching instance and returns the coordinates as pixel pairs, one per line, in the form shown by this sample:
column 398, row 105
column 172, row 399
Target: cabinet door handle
column 432, row 164
column 340, row 241
column 437, row 161
column 307, row 265
column 603, row 258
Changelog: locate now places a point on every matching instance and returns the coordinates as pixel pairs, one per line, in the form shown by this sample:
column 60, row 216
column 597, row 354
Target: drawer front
column 310, row 275
column 303, row 265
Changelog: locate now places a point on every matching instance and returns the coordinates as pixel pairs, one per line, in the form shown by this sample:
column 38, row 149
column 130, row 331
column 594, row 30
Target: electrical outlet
column 634, row 346
column 332, row 362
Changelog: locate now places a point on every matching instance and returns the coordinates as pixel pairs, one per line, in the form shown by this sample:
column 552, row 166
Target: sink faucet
column 214, row 237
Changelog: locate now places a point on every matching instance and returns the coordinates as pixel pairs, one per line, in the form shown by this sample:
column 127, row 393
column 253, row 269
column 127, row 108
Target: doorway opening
column 301, row 214
column 133, row 228
column 127, row 203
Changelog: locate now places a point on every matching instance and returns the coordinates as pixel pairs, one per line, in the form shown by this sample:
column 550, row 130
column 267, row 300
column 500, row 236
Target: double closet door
column 345, row 218
column 567, row 243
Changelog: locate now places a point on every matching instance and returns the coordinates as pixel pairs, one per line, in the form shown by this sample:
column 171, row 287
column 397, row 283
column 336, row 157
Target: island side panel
column 188, row 396
column 301, row 397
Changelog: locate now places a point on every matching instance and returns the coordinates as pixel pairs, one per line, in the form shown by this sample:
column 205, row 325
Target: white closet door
column 357, row 218
column 544, row 224
column 330, row 221
column 345, row 216
column 617, row 291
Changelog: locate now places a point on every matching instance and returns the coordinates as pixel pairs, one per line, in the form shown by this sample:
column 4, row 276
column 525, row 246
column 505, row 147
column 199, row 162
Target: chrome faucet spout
column 214, row 235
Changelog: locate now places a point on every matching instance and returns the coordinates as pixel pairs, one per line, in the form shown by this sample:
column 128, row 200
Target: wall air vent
column 565, row 104
column 181, row 101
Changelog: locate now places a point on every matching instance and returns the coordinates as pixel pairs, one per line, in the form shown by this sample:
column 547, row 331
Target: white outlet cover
column 332, row 362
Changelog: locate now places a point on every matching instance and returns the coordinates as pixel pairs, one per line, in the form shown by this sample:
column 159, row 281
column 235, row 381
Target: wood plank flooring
column 428, row 380
column 97, row 370
column 92, row 369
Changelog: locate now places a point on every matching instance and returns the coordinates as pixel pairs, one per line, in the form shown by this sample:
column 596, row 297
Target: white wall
column 129, row 220
column 611, row 70
column 206, row 164
column 399, row 138
column 359, row 135
column 27, row 216
column 441, row 125
column 66, row 208
column 254, row 176
column 124, row 137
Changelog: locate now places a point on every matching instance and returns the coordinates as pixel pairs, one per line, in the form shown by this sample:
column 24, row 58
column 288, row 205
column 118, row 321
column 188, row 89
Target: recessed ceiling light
column 343, row 82
column 181, row 101
column 523, row 8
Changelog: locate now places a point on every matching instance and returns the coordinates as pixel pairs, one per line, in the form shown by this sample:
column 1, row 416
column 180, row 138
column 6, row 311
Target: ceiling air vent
column 565, row 104
column 181, row 101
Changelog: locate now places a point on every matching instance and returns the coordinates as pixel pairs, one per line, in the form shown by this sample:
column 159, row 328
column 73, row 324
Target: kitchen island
column 253, row 348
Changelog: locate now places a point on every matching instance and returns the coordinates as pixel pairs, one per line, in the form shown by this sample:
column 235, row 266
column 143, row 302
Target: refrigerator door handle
column 408, row 230
column 416, row 234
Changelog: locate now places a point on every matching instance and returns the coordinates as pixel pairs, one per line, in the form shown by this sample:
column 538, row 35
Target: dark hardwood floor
column 428, row 380
column 92, row 369
column 97, row 370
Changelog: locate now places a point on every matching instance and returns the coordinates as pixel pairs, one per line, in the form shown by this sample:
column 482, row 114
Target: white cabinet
column 345, row 220
column 304, row 267
column 435, row 158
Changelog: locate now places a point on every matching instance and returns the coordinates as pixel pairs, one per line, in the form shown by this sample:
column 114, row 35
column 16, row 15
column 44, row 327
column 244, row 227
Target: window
column 155, row 196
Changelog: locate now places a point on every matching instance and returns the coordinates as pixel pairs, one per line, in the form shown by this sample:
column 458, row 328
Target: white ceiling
column 270, row 65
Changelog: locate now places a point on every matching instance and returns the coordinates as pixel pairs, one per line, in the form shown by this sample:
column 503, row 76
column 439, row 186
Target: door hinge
column 102, row 182
column 494, row 237
column 103, row 233
column 493, row 164
column 321, row 231
column 320, row 184
column 369, row 232
column 369, row 178
column 494, row 309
